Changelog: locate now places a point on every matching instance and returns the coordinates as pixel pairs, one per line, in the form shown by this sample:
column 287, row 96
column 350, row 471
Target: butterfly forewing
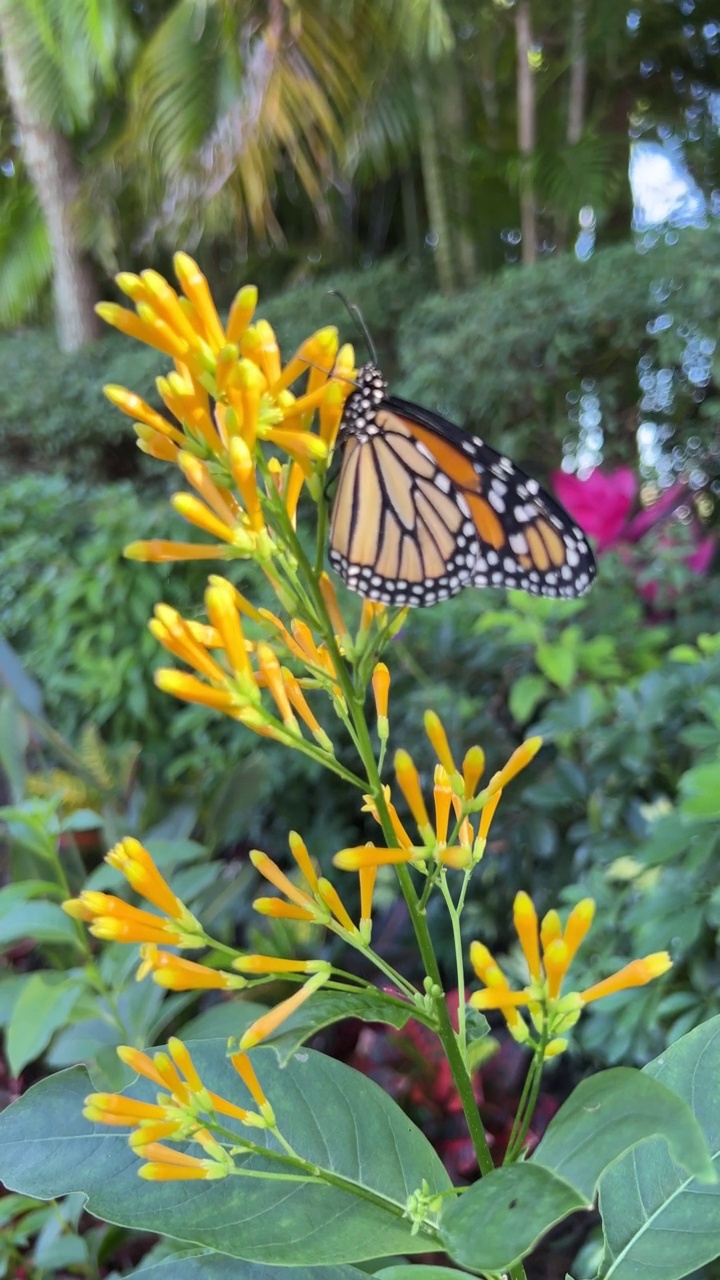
column 423, row 509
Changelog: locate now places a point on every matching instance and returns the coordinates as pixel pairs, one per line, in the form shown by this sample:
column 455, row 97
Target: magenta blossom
column 602, row 503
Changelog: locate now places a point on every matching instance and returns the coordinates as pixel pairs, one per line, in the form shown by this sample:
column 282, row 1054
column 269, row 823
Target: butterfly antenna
column 354, row 311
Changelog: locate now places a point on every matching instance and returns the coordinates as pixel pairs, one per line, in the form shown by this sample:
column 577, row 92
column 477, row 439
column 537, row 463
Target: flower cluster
column 184, row 1111
column 112, row 918
column 228, row 395
column 549, row 950
column 454, row 793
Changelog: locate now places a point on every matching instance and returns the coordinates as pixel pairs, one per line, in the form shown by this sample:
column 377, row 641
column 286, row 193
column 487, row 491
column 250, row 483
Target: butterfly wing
column 423, row 509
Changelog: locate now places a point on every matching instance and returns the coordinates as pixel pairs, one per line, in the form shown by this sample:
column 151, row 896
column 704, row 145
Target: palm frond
column 25, row 261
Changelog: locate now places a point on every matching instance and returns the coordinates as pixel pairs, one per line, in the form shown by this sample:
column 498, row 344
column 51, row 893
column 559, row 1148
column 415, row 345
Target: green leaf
column 658, row 1221
column 557, row 663
column 217, row 1266
column 40, row 921
column 526, row 695
column 701, row 791
column 228, row 1018
column 332, row 1116
column 11, row 985
column 422, row 1273
column 501, row 1217
column 607, row 1115
column 43, row 1005
column 332, row 1006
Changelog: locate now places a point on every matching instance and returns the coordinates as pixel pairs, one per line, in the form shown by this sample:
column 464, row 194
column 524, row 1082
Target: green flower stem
column 528, row 1099
column 304, row 1169
column 445, row 1029
column 454, row 913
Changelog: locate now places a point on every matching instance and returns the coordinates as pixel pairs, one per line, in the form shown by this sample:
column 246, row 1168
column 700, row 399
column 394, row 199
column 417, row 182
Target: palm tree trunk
column 434, row 190
column 578, row 74
column 53, row 172
column 526, row 110
column 453, row 121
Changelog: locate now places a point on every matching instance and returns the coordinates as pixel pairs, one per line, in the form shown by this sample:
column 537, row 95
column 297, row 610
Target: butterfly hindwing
column 423, row 509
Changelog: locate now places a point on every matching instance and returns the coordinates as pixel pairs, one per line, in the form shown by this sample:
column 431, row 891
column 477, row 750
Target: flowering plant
column 603, row 503
column 258, row 1151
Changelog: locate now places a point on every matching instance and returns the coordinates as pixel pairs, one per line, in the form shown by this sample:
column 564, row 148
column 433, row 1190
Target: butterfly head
column 364, row 401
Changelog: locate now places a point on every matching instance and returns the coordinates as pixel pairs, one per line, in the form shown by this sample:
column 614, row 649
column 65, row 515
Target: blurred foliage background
column 522, row 198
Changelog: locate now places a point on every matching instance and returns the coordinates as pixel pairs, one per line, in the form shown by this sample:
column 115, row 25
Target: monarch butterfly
column 423, row 509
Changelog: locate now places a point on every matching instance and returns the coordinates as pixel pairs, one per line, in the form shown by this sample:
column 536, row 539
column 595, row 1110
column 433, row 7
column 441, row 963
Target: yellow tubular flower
column 300, row 705
column 332, row 604
column 549, row 959
column 167, row 1165
column 267, row 868
column 518, row 761
column 274, row 965
column 274, row 1018
column 242, row 467
column 278, row 909
column 299, row 851
column 367, row 877
column 272, row 673
column 635, row 974
column 526, row 927
column 381, row 690
column 241, row 312
column 160, row 551
column 473, row 768
column 409, row 783
column 442, row 795
column 579, row 922
column 113, row 919
column 242, row 1064
column 369, row 855
column 550, row 929
column 224, row 616
column 177, row 974
column 196, row 290
column 438, row 740
column 220, row 500
column 132, row 859
column 487, row 813
column 333, row 901
column 555, row 963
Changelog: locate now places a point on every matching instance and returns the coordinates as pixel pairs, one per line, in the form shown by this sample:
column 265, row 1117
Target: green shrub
column 504, row 357
column 54, row 417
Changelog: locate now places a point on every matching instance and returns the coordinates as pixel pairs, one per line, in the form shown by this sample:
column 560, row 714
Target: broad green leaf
column 228, row 1018
column 14, row 895
column 607, row 1115
column 701, row 791
column 558, row 663
column 218, row 1266
column 43, row 1005
column 41, row 921
column 11, row 985
column 501, row 1217
column 422, row 1273
column 13, row 1206
column 526, row 694
column 658, row 1221
column 332, row 1116
column 328, row 1007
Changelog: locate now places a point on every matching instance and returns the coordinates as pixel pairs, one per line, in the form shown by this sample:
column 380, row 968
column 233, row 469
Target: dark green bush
column 504, row 357
column 53, row 415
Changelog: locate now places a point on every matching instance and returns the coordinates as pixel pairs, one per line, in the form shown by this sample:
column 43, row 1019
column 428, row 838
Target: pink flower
column 601, row 504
